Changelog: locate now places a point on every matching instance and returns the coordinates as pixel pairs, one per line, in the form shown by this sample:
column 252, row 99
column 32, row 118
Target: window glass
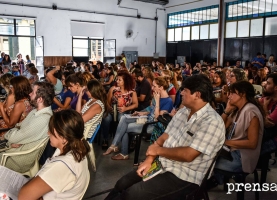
column 255, row 8
column 25, row 27
column 243, row 28
column 231, row 29
column 256, row 28
column 170, row 35
column 214, row 13
column 178, row 34
column 268, row 5
column 6, row 26
column 80, row 47
column 204, row 32
column 274, row 6
column 271, row 26
column 213, row 31
column 195, row 32
column 186, row 33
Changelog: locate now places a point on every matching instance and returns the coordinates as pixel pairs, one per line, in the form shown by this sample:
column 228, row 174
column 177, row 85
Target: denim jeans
column 226, row 165
column 106, row 124
column 125, row 126
column 164, row 186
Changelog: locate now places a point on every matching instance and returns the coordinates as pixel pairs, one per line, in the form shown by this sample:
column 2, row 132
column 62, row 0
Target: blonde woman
column 173, row 84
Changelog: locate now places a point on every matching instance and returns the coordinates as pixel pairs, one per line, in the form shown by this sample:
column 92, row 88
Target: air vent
column 161, row 2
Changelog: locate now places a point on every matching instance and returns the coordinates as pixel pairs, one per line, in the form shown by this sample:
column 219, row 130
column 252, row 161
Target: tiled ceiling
column 161, row 2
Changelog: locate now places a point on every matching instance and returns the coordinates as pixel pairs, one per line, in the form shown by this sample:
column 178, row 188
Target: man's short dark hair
column 46, row 92
column 200, row 83
column 274, row 78
column 264, row 54
column 138, row 73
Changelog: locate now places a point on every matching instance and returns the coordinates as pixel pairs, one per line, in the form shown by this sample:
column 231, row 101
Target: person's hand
column 143, row 168
column 82, row 92
column 16, row 145
column 58, row 67
column 157, row 96
column 121, row 109
column 267, row 101
column 173, row 112
column 229, row 108
column 153, row 150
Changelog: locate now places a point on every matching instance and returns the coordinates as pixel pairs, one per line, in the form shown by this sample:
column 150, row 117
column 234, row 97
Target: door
column 109, row 50
column 39, row 52
column 131, row 56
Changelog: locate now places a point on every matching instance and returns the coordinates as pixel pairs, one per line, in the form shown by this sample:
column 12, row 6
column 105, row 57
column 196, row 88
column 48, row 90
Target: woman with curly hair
column 21, row 88
column 123, row 97
column 66, row 174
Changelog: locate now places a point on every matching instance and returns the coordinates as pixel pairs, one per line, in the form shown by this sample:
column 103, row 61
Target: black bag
column 164, row 119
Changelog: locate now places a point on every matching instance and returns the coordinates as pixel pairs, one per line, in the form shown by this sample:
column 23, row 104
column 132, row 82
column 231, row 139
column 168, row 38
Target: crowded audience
column 217, row 106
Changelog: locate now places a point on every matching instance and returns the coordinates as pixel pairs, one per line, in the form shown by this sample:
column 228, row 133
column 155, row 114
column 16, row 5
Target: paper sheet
column 11, row 182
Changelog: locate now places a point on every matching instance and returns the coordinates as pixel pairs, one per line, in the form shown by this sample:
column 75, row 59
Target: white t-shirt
column 68, row 178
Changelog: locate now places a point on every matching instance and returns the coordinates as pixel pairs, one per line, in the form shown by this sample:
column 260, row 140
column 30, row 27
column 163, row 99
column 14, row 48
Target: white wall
column 54, row 25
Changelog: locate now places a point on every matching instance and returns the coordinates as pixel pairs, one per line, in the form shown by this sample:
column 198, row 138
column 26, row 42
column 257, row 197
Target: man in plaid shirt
column 186, row 149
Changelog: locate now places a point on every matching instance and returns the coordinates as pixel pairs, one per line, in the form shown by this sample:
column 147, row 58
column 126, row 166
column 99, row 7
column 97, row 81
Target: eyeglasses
column 232, row 75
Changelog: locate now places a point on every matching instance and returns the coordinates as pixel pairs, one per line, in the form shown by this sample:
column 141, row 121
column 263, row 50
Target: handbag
column 164, row 119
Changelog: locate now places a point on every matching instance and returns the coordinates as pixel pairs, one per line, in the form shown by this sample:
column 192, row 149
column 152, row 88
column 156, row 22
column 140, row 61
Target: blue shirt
column 62, row 97
column 260, row 60
column 165, row 104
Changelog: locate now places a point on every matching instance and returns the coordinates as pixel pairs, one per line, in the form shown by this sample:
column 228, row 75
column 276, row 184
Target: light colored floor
column 109, row 171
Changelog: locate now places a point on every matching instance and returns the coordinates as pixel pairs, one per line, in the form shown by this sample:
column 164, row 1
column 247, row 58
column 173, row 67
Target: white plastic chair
column 40, row 146
column 258, row 89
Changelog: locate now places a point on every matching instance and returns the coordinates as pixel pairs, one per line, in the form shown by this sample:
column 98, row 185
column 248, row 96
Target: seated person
column 34, row 75
column 143, row 89
column 66, row 174
column 32, row 129
column 63, row 100
column 160, row 104
column 186, row 149
column 269, row 105
column 244, row 123
column 53, row 75
column 93, row 111
column 5, row 84
column 75, row 83
column 124, row 98
column 21, row 88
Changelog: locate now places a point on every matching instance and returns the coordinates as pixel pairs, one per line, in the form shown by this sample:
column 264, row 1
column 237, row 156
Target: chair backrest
column 39, row 147
column 258, row 89
column 90, row 140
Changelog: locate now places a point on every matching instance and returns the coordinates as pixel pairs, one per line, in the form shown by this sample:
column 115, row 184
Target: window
column 186, row 33
column 231, row 29
column 250, row 9
column 170, row 35
column 204, row 15
column 195, row 32
column 213, row 31
column 178, row 34
column 256, row 28
column 17, row 35
column 271, row 26
column 243, row 28
column 204, row 32
column 91, row 47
